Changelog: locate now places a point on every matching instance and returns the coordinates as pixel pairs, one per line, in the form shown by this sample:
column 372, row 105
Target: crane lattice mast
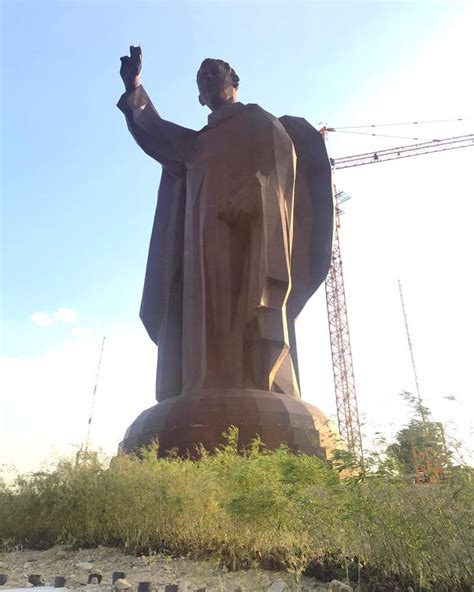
column 341, row 352
column 343, row 371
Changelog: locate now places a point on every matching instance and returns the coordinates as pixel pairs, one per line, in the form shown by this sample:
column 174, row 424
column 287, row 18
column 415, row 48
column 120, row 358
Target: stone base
column 182, row 422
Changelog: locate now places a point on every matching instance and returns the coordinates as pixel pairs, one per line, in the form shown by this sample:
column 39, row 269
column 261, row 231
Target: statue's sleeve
column 313, row 222
column 164, row 141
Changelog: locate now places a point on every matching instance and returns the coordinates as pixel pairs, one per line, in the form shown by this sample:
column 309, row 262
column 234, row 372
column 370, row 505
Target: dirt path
column 76, row 565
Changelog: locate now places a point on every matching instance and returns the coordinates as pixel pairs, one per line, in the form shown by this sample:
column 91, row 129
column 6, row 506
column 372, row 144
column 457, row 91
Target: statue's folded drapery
column 241, row 239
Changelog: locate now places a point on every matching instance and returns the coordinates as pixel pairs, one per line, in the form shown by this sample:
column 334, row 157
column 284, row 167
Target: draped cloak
column 241, row 239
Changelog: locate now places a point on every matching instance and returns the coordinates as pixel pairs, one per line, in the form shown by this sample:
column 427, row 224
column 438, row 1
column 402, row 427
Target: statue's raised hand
column 131, row 68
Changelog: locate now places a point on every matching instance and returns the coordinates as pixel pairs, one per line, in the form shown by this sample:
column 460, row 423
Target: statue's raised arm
column 164, row 141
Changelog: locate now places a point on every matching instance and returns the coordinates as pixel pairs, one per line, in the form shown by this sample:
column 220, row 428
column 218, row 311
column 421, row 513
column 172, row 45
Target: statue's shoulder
column 255, row 110
column 305, row 137
column 299, row 126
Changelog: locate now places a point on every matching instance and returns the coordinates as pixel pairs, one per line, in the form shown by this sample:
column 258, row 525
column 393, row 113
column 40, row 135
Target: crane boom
column 404, row 151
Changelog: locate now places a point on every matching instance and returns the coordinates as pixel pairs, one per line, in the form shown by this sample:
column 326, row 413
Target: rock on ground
column 85, row 565
column 337, row 586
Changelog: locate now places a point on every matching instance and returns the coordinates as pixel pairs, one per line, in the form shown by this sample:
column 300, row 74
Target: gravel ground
column 76, row 565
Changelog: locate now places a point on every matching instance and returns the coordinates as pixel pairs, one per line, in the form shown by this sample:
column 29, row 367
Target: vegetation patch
column 254, row 507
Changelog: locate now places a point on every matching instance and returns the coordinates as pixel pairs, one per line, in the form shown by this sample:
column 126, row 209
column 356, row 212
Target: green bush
column 258, row 507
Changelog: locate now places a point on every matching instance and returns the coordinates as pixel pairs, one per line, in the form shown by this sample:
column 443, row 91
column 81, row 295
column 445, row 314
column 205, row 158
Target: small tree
column 420, row 448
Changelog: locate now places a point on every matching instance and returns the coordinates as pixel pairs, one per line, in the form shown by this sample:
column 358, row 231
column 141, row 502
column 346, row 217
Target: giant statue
column 241, row 239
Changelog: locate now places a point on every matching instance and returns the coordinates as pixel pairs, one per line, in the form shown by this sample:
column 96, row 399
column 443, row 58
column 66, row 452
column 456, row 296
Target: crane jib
column 403, row 151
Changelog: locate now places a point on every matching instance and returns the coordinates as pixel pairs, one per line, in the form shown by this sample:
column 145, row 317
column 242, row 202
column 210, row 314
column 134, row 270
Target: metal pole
column 410, row 346
column 94, row 395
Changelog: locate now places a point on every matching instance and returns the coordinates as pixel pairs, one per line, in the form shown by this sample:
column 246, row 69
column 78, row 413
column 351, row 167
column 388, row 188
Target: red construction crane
column 343, row 371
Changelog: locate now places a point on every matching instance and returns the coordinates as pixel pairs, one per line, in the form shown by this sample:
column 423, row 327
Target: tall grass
column 270, row 508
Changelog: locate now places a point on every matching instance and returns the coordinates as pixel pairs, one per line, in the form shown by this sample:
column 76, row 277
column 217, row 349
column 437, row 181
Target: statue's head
column 217, row 83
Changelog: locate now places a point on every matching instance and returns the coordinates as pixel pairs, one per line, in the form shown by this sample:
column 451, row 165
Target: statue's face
column 215, row 85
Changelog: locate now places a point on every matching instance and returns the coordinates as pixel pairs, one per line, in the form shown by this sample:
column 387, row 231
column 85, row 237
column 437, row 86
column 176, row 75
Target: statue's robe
column 241, row 239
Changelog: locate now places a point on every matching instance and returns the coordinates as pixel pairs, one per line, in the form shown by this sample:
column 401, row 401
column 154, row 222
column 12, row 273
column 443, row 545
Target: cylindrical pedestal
column 185, row 421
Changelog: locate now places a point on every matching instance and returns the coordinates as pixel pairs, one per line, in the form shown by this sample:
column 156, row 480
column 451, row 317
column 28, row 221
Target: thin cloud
column 63, row 315
column 66, row 315
column 42, row 319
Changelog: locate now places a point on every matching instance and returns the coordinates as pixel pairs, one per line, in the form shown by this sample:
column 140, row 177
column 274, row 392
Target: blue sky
column 78, row 196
